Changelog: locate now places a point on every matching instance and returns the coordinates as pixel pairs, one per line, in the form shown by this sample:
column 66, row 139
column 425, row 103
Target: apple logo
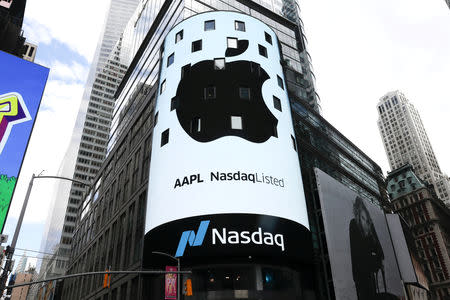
column 215, row 98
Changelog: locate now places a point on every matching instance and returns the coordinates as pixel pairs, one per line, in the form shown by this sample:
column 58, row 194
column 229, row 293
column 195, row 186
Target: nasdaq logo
column 194, row 239
column 12, row 112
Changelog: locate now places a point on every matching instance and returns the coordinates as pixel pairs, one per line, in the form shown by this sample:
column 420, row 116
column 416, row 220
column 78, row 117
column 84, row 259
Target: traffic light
column 188, row 287
column 107, row 280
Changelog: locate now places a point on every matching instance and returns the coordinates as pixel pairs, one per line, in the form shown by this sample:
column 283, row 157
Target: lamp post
column 10, row 249
column 178, row 267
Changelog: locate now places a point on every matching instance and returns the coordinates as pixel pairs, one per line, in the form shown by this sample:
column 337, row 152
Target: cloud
column 48, row 143
column 72, row 71
column 70, row 22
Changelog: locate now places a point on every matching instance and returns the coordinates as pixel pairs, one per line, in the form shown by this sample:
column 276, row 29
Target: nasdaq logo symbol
column 194, row 239
column 12, row 112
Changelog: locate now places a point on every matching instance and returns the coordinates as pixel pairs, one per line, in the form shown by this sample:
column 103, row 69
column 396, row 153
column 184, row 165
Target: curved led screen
column 223, row 142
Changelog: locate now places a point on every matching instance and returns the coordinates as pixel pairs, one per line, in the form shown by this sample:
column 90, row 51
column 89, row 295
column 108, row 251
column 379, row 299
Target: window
column 294, row 144
column 156, row 118
column 232, row 43
column 268, row 37
column 196, row 45
column 196, row 125
column 280, row 82
column 173, row 103
column 185, row 70
column 244, row 92
column 210, row 92
column 219, row 64
column 170, row 59
column 262, row 50
column 277, row 103
column 164, row 137
column 163, row 87
column 236, row 122
column 239, row 26
column 210, row 25
column 179, row 36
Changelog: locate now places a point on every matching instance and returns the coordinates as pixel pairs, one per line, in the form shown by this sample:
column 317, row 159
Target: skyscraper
column 406, row 142
column 176, row 36
column 87, row 148
column 22, row 264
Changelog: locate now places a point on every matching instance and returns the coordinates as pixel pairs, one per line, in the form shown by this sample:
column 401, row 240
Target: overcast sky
column 363, row 49
column 360, row 50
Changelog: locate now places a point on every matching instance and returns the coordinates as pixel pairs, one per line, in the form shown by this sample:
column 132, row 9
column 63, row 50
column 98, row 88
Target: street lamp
column 178, row 268
column 10, row 250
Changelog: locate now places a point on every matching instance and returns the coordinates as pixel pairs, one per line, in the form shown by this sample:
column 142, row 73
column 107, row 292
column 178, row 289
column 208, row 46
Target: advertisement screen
column 223, row 142
column 21, row 86
column 362, row 257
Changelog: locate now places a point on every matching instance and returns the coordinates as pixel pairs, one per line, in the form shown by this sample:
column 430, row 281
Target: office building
column 11, row 19
column 22, row 263
column 87, row 148
column 29, row 52
column 119, row 228
column 406, row 142
column 429, row 220
column 21, row 293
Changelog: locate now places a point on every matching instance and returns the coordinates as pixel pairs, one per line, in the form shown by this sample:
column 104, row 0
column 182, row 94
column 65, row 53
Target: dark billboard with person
column 362, row 257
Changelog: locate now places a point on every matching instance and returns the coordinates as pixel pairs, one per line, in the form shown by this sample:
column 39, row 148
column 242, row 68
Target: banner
column 22, row 84
column 171, row 283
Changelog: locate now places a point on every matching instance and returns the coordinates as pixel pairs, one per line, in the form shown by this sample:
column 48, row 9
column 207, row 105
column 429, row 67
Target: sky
column 360, row 50
column 66, row 34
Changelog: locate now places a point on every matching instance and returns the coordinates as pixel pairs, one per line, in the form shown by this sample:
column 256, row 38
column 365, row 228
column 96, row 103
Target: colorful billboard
column 170, row 283
column 224, row 146
column 22, row 84
column 362, row 257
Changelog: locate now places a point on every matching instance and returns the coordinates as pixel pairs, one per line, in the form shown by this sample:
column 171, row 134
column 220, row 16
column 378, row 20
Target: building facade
column 406, row 142
column 112, row 226
column 11, row 19
column 21, row 293
column 87, row 148
column 429, row 220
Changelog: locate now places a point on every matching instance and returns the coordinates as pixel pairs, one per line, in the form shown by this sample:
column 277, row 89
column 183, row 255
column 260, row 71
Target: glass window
column 179, row 36
column 262, row 50
column 173, row 103
column 268, row 37
column 277, row 103
column 210, row 92
column 185, row 70
column 164, row 137
column 219, row 64
column 196, row 45
column 236, row 122
column 232, row 43
column 196, row 125
column 244, row 92
column 170, row 59
column 280, row 82
column 210, row 25
column 239, row 26
column 294, row 143
column 163, row 87
column 156, row 117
